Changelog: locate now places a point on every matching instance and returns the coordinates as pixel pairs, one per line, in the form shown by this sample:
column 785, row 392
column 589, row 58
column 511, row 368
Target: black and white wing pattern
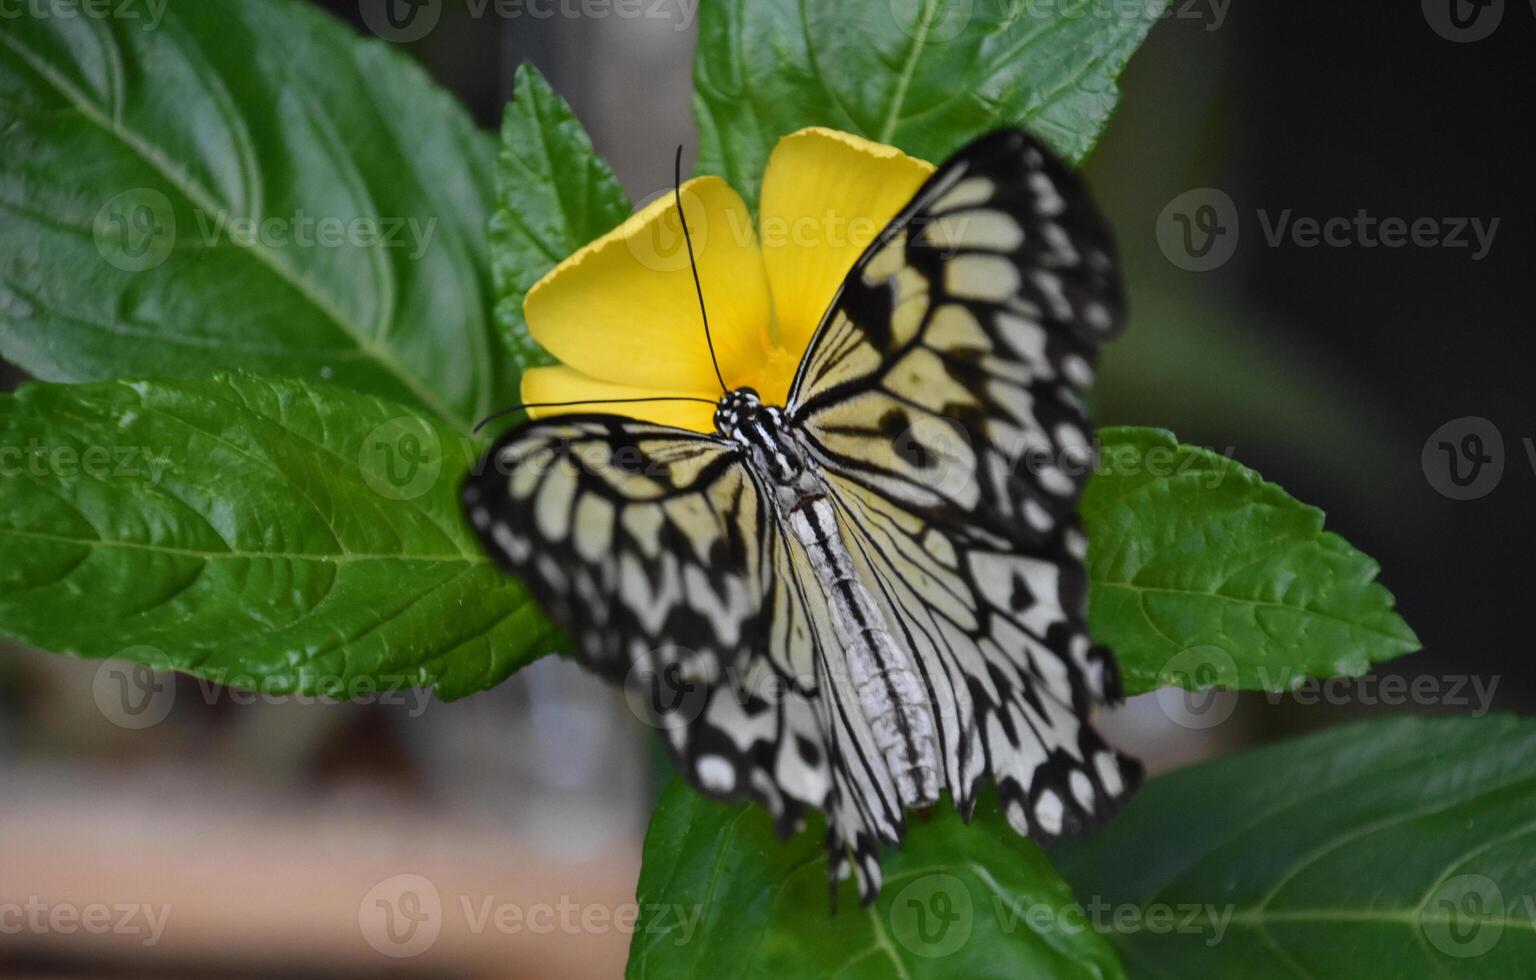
column 943, row 396
column 654, row 549
column 942, row 401
column 632, row 536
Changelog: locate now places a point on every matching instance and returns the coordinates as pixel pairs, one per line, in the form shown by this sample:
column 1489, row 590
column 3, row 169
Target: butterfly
column 875, row 592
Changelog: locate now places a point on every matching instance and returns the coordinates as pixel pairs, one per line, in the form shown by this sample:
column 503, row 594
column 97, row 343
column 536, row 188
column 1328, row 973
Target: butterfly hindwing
column 1009, row 667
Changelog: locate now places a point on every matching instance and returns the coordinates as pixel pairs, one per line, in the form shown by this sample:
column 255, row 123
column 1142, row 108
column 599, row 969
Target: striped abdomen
column 890, row 693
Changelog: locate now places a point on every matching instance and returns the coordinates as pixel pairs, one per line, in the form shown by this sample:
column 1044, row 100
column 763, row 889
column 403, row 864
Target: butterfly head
column 743, row 418
column 737, row 409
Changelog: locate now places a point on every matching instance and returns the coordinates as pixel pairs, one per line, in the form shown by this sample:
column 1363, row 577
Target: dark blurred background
column 1328, row 369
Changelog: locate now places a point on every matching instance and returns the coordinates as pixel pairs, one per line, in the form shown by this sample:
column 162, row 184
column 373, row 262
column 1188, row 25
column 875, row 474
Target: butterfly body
column 876, row 591
column 892, row 698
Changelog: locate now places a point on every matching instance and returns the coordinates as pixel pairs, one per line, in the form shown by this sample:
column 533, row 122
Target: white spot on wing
column 1082, row 789
column 969, row 192
column 593, row 526
column 1049, row 812
column 985, row 277
column 982, row 228
column 1047, row 198
column 644, row 522
column 1109, row 772
column 716, row 774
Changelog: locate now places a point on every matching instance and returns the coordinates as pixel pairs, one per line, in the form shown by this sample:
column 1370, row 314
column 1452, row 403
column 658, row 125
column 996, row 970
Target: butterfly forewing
column 636, row 538
column 653, row 548
column 951, row 369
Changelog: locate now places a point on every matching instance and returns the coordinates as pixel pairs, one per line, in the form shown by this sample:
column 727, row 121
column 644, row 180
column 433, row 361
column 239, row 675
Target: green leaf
column 554, row 194
column 720, row 895
column 247, row 185
column 923, row 75
column 1204, row 574
column 1396, row 848
column 270, row 534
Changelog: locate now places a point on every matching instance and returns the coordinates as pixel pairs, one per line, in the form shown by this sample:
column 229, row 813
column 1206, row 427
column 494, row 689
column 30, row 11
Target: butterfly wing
column 943, row 395
column 634, row 537
column 654, row 549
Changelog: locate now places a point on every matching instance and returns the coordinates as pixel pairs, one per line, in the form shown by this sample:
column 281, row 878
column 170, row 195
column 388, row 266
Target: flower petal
column 624, row 310
column 826, row 195
column 564, row 384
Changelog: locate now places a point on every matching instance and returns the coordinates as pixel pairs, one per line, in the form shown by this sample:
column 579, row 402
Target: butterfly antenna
column 586, row 401
column 677, row 196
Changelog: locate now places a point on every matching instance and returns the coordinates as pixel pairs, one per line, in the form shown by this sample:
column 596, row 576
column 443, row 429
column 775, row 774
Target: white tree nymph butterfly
column 876, row 590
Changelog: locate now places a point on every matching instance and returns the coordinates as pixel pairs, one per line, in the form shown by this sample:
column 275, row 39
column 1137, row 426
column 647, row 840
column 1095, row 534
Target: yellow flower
column 622, row 316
